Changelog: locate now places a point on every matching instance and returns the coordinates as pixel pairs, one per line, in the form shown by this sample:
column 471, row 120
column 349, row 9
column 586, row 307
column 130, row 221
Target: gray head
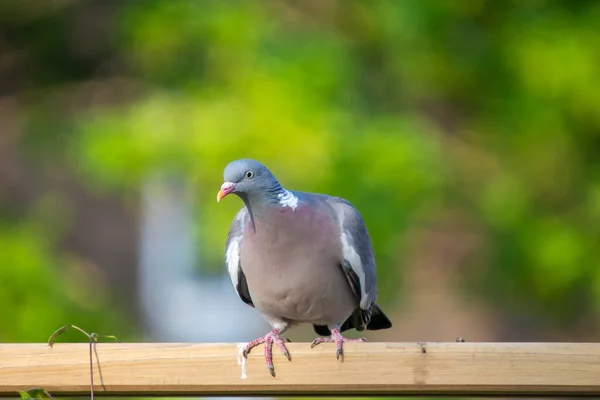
column 249, row 179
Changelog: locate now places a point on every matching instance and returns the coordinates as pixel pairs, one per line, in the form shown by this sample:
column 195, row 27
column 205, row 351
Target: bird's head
column 247, row 178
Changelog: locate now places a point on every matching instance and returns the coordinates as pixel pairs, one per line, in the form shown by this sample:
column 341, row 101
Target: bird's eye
column 249, row 174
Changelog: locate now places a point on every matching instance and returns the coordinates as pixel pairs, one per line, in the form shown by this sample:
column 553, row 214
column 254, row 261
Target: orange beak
column 226, row 188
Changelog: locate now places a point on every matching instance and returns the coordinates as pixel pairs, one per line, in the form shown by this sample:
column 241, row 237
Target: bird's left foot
column 336, row 336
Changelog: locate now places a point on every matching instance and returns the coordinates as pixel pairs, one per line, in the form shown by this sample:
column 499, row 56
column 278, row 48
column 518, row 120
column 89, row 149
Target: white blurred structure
column 178, row 303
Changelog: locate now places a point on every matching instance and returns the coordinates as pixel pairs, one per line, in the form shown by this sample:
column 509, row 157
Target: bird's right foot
column 268, row 340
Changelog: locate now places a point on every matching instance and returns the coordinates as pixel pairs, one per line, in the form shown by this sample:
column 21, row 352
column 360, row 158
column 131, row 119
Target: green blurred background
column 466, row 132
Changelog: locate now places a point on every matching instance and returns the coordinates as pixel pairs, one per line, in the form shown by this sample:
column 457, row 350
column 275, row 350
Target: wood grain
column 168, row 369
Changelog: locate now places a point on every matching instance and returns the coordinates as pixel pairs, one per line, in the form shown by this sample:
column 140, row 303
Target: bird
column 299, row 257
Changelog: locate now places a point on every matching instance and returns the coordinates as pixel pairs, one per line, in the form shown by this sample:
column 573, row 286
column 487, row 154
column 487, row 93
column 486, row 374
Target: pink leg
column 268, row 340
column 336, row 336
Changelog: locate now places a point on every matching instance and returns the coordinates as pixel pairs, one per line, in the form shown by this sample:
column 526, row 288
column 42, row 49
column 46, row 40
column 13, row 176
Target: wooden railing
column 370, row 369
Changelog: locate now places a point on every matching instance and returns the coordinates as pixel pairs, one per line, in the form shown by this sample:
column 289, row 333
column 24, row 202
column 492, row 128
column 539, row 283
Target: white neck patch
column 287, row 199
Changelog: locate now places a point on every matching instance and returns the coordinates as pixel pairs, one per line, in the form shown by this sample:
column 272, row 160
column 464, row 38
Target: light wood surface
column 167, row 369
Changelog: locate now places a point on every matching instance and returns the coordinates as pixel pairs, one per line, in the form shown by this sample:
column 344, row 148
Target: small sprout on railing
column 93, row 338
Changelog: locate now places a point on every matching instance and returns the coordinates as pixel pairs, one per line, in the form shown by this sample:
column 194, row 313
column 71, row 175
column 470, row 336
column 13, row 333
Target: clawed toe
column 252, row 345
column 247, row 351
column 284, row 350
column 319, row 340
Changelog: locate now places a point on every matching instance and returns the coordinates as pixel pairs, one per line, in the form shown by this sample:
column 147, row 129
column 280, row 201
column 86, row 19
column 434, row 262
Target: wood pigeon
column 299, row 257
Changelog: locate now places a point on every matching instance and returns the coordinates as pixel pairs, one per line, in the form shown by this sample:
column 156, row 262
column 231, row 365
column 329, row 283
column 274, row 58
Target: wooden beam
column 168, row 369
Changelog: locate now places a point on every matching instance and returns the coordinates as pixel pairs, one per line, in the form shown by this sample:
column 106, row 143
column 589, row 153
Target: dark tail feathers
column 378, row 321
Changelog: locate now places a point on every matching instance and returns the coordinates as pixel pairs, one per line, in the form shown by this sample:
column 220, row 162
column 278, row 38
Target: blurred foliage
column 407, row 108
column 35, row 394
column 43, row 289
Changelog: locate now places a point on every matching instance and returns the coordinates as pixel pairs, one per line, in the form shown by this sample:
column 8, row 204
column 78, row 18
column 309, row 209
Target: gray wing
column 233, row 248
column 358, row 260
